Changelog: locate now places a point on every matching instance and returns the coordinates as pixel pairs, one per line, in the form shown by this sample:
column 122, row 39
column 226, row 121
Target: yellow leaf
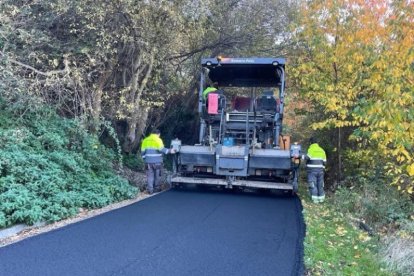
column 410, row 170
column 363, row 237
column 341, row 231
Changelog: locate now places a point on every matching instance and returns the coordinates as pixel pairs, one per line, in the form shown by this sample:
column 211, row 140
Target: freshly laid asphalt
column 179, row 232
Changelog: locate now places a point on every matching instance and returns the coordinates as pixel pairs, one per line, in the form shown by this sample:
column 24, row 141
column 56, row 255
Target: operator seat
column 241, row 104
column 268, row 103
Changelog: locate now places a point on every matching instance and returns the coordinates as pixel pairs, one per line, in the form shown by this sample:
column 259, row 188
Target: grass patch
column 387, row 211
column 397, row 253
column 333, row 246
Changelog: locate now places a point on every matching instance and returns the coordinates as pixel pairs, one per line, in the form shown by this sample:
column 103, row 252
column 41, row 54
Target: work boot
column 322, row 198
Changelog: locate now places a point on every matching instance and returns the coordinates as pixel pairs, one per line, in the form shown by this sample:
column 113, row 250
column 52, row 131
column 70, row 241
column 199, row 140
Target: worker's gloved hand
column 172, row 151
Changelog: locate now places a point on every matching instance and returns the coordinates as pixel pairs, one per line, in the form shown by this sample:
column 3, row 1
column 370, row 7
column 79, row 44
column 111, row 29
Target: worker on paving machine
column 211, row 88
column 315, row 166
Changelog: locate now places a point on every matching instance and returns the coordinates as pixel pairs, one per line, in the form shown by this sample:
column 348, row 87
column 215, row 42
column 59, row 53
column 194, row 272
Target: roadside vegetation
column 359, row 231
column 50, row 167
column 379, row 209
column 334, row 245
column 353, row 75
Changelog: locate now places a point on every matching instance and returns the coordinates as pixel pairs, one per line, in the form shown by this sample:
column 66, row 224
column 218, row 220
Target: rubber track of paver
column 185, row 232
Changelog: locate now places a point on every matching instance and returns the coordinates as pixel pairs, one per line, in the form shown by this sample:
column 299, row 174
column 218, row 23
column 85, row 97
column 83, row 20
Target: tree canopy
column 126, row 60
column 356, row 67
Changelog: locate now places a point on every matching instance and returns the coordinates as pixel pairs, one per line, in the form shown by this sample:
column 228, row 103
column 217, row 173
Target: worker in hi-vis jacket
column 315, row 166
column 211, row 88
column 152, row 149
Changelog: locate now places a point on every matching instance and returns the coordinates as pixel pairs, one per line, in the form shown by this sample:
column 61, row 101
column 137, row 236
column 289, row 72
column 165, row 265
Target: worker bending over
column 211, row 88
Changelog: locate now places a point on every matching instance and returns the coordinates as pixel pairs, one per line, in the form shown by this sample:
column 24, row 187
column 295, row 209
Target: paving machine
column 240, row 138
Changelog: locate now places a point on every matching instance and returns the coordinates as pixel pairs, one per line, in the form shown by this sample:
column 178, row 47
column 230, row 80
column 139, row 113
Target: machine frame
column 242, row 143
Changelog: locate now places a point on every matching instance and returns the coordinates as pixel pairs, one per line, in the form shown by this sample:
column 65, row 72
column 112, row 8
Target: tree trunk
column 339, row 156
column 136, row 126
column 96, row 108
column 96, row 99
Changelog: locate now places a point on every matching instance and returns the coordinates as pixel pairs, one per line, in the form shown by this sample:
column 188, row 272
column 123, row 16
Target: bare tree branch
column 46, row 74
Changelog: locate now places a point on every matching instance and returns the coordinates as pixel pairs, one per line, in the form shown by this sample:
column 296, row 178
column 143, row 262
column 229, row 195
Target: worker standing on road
column 152, row 149
column 315, row 166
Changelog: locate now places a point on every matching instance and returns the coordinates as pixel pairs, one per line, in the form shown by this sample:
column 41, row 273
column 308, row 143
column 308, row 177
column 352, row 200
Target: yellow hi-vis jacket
column 316, row 157
column 208, row 90
column 152, row 149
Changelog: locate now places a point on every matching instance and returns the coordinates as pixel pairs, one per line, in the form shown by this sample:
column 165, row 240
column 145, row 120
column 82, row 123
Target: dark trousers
column 316, row 183
column 153, row 177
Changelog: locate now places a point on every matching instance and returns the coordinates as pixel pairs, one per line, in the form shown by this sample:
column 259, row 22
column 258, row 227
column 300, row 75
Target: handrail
column 247, row 127
column 221, row 120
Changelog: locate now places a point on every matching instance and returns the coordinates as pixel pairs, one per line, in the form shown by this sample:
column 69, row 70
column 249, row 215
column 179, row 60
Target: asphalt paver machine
column 240, row 139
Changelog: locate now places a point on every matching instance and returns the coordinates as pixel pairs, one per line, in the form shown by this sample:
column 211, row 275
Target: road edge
column 299, row 268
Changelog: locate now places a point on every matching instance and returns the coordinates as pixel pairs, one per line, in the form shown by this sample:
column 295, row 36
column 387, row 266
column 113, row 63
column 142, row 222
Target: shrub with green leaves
column 373, row 200
column 50, row 167
column 134, row 162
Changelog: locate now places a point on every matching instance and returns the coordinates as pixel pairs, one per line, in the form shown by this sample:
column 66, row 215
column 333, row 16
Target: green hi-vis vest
column 316, row 157
column 208, row 90
column 152, row 149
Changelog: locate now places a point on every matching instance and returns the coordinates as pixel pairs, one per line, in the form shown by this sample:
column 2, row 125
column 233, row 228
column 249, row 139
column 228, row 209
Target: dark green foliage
column 2, row 219
column 374, row 200
column 134, row 161
column 50, row 167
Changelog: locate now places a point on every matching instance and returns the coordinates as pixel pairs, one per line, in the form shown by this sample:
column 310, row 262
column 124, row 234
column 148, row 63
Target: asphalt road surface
column 186, row 232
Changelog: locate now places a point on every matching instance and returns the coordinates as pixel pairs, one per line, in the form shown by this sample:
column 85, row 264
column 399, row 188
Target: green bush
column 3, row 222
column 371, row 198
column 50, row 167
column 134, row 162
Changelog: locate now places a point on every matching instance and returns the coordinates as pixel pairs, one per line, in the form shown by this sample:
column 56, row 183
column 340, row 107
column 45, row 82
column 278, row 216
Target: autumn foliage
column 355, row 64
